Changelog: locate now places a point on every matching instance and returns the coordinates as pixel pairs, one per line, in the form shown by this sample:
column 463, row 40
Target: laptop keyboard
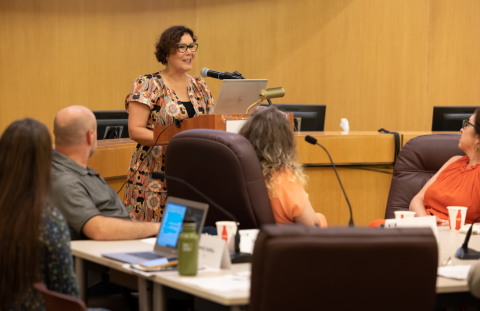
column 145, row 255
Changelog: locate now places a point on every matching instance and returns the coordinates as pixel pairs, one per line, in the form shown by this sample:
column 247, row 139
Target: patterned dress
column 56, row 264
column 144, row 196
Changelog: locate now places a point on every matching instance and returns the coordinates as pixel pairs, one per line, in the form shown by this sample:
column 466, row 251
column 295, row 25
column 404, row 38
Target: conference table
column 151, row 288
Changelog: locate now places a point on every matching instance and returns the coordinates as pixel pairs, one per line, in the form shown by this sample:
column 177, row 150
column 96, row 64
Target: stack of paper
column 454, row 272
column 226, row 283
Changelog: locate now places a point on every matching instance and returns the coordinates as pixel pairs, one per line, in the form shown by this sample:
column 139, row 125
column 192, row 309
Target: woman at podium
column 159, row 99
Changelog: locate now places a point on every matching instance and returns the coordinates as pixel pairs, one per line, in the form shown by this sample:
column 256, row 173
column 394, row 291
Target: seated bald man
column 92, row 208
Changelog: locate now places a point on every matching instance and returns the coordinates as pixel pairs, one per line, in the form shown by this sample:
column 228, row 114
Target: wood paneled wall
column 378, row 63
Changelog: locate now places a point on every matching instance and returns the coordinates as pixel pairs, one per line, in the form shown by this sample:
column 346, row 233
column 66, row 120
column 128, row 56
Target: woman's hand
column 442, row 222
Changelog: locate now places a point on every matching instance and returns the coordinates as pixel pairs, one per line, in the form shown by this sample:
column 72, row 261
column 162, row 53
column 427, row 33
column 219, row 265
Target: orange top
column 456, row 185
column 290, row 198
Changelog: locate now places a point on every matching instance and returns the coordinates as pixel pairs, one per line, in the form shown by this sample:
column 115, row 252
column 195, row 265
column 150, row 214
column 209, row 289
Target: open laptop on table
column 176, row 211
column 235, row 96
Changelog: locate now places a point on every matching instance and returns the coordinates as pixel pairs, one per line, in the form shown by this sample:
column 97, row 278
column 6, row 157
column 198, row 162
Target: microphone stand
column 464, row 252
column 236, row 256
column 313, row 141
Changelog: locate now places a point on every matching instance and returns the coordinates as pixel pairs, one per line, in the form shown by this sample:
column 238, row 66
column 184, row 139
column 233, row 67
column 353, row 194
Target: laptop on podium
column 176, row 212
column 235, row 96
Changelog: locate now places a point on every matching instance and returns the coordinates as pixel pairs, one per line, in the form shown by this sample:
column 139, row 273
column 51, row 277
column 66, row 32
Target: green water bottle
column 188, row 249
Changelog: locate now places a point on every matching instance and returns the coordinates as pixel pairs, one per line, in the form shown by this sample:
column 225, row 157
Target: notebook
column 176, row 211
column 236, row 95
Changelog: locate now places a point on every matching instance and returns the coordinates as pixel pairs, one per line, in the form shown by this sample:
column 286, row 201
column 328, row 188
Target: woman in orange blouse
column 268, row 130
column 155, row 100
column 457, row 183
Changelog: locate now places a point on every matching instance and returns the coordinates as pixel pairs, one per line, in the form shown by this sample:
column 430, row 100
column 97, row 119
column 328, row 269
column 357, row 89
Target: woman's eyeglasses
column 182, row 48
column 466, row 123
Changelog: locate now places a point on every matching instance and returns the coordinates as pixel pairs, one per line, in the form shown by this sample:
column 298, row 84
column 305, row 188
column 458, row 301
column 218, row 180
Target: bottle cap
column 189, row 222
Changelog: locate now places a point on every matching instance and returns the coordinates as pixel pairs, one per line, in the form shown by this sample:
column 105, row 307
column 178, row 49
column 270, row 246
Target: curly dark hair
column 167, row 44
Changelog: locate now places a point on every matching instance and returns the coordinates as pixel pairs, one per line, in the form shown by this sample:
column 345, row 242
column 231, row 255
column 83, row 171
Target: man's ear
column 90, row 134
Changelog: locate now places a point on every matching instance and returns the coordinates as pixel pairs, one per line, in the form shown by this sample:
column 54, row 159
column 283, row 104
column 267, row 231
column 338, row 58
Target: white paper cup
column 404, row 214
column 226, row 231
column 457, row 215
column 247, row 240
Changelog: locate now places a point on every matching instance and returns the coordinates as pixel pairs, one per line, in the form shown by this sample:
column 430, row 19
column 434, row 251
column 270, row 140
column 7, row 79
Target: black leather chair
column 225, row 167
column 417, row 162
column 307, row 268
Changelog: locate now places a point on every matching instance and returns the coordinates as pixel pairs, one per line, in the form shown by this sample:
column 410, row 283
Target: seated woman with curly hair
column 268, row 130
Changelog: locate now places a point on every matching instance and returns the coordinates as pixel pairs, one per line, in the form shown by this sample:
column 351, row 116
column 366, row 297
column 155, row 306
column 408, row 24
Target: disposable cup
column 457, row 215
column 226, row 230
column 404, row 214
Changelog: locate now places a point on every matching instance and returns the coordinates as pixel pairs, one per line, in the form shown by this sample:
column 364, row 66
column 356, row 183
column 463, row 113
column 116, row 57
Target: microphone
column 235, row 256
column 205, row 72
column 313, row 141
column 467, row 253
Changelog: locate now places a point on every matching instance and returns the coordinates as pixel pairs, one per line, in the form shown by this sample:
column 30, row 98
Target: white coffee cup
column 247, row 240
column 404, row 214
column 457, row 215
column 226, row 230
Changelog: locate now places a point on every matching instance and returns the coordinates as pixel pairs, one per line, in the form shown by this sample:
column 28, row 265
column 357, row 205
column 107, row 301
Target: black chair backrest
column 306, row 268
column 225, row 167
column 417, row 162
column 57, row 301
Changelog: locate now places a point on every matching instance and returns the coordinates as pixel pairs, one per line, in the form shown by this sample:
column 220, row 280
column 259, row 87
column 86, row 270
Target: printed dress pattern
column 144, row 196
column 56, row 262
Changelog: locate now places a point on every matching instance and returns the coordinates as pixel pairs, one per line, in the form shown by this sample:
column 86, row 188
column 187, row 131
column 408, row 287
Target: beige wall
column 378, row 63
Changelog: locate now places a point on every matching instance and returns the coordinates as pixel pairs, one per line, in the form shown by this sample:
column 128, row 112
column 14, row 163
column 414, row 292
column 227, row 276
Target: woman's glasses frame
column 466, row 123
column 182, row 47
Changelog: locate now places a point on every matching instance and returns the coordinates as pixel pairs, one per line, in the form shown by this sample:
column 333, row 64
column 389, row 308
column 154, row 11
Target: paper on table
column 454, row 272
column 149, row 240
column 475, row 230
column 226, row 283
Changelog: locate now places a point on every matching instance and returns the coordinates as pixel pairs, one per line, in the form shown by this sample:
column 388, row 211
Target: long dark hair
column 25, row 160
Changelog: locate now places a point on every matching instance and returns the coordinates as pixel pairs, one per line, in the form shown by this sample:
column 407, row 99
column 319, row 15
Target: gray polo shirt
column 81, row 193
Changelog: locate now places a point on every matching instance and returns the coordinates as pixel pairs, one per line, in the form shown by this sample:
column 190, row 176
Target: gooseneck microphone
column 467, row 253
column 313, row 141
column 205, row 72
column 236, row 256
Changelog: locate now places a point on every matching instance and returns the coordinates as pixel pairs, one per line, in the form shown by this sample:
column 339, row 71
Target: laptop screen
column 175, row 214
column 171, row 225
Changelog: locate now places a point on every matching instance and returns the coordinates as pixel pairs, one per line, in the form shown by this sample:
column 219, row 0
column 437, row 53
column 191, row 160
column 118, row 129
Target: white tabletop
column 92, row 250
column 449, row 242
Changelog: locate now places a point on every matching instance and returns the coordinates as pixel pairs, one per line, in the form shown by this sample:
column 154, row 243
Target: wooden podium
column 209, row 121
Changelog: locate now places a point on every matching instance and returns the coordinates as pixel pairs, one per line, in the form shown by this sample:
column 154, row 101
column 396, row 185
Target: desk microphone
column 313, row 141
column 205, row 72
column 235, row 256
column 467, row 253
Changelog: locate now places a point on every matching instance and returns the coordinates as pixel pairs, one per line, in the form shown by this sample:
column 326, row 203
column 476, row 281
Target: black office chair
column 59, row 302
column 223, row 166
column 307, row 268
column 417, row 162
